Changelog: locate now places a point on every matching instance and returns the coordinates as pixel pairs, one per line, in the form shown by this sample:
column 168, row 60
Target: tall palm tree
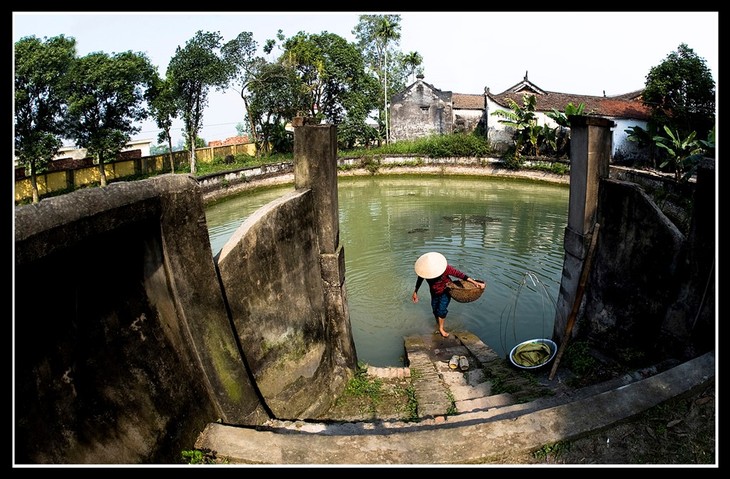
column 412, row 61
column 385, row 32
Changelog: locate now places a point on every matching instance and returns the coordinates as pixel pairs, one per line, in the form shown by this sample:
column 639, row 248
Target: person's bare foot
column 444, row 333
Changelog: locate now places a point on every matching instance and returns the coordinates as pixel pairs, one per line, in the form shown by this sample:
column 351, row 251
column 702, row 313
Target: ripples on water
column 505, row 231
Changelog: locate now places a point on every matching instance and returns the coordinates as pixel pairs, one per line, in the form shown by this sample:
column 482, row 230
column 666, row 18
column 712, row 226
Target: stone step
column 483, row 403
column 432, row 394
column 389, row 372
column 445, row 393
column 448, row 387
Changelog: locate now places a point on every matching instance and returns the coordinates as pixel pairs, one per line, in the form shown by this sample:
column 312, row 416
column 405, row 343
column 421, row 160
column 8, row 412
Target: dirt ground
column 679, row 432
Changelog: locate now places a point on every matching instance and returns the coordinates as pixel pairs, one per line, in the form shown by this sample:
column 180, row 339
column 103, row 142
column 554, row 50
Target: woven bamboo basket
column 465, row 291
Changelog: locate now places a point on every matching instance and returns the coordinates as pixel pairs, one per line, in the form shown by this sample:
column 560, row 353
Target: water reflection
column 494, row 229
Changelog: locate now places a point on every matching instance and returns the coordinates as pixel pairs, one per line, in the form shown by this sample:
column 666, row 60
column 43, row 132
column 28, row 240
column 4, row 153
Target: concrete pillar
column 590, row 152
column 315, row 168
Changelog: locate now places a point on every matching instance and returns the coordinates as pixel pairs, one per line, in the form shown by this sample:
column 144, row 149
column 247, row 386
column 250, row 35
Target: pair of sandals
column 459, row 362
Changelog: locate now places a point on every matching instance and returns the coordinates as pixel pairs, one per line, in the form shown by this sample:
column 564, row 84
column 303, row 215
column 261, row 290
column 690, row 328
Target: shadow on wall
column 123, row 349
column 651, row 293
column 127, row 345
column 131, row 352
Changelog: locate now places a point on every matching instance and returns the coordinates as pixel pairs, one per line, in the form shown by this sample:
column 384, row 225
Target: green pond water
column 505, row 231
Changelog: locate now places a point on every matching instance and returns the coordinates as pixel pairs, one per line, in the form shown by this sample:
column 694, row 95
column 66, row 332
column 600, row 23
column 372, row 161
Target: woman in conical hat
column 437, row 272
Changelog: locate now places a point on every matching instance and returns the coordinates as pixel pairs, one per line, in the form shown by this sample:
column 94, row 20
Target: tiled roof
column 614, row 107
column 627, row 105
column 462, row 101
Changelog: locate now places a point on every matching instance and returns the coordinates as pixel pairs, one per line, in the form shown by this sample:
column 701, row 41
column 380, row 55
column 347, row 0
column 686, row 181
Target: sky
column 585, row 53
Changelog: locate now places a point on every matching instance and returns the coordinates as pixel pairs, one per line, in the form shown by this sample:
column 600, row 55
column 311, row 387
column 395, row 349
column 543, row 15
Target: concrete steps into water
column 460, row 420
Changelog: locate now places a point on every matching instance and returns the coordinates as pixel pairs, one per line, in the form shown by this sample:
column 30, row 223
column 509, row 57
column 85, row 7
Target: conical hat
column 430, row 265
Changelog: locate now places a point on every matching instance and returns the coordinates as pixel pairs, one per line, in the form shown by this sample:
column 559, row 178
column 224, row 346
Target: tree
column 375, row 34
column 411, row 62
column 386, row 32
column 331, row 71
column 193, row 70
column 276, row 96
column 240, row 54
column 522, row 119
column 560, row 137
column 270, row 92
column 681, row 93
column 40, row 70
column 164, row 108
column 679, row 150
column 106, row 95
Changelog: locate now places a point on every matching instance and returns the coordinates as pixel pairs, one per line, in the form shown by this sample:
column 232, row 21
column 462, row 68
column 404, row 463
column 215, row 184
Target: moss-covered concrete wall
column 123, row 347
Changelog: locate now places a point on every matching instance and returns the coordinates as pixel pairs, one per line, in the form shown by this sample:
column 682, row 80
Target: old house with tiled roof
column 422, row 110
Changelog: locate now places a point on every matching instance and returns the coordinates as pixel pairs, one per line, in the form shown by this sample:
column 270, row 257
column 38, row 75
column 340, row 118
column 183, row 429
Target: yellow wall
column 58, row 180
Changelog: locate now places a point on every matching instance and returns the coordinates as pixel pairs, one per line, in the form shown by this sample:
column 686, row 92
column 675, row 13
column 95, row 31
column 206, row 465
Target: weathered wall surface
column 123, row 348
column 650, row 290
column 633, row 277
column 652, row 287
column 142, row 338
column 420, row 112
column 466, row 121
column 271, row 274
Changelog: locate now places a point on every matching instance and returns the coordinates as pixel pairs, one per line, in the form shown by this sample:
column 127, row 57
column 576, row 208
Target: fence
column 83, row 173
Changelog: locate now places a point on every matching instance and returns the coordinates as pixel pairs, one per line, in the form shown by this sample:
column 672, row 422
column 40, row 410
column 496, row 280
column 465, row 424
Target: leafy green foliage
column 40, row 73
column 435, row 146
column 247, row 71
column 706, row 148
column 681, row 92
column 377, row 38
column 678, row 149
column 554, row 450
column 412, row 62
column 521, row 118
column 164, row 108
column 365, row 387
column 532, row 138
column 559, row 138
column 193, row 71
column 561, row 118
column 332, row 74
column 410, row 391
column 579, row 360
column 275, row 97
column 199, row 456
column 105, row 95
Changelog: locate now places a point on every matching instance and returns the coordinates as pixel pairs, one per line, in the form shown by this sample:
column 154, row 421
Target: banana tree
column 562, row 133
column 562, row 118
column 706, row 148
column 644, row 138
column 521, row 118
column 679, row 151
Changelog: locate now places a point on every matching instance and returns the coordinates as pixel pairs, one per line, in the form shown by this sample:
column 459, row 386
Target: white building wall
column 81, row 153
column 621, row 144
column 501, row 133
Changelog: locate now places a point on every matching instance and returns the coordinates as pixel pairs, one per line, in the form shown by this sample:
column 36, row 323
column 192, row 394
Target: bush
column 435, row 146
